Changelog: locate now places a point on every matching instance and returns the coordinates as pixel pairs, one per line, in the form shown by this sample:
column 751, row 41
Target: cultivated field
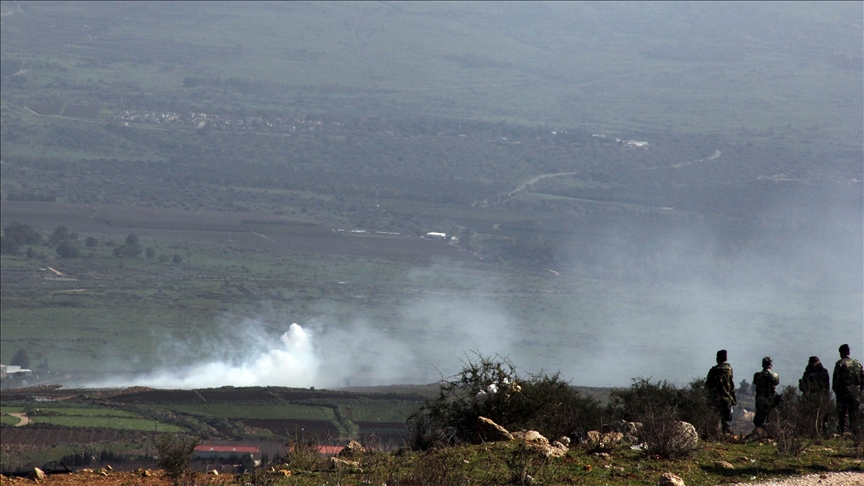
column 125, row 422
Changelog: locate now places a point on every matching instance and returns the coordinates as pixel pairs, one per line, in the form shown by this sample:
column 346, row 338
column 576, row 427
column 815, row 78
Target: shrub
column 787, row 424
column 540, row 402
column 302, row 452
column 175, row 454
column 645, row 399
column 426, row 433
column 814, row 413
column 663, row 434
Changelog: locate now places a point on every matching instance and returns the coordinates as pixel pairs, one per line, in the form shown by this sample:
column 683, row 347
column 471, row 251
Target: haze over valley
column 248, row 190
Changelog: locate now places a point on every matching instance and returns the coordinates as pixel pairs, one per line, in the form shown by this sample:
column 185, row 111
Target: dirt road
column 23, row 419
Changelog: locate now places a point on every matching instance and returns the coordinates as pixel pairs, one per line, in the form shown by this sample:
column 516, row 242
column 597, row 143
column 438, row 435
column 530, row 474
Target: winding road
column 23, row 419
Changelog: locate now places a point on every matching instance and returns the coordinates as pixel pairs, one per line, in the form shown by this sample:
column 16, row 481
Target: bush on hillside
column 666, row 436
column 490, row 387
column 646, row 399
column 175, row 454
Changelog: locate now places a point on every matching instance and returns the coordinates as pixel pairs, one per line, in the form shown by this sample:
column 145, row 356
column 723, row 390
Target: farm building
column 12, row 371
column 223, row 452
column 328, row 450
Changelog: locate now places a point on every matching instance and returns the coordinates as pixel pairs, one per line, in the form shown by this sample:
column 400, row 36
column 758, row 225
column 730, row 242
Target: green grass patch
column 120, row 423
column 248, row 411
column 9, row 420
column 82, row 412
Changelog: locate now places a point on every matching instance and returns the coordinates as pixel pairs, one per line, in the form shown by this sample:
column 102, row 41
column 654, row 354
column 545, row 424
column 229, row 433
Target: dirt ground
column 88, row 477
column 138, row 478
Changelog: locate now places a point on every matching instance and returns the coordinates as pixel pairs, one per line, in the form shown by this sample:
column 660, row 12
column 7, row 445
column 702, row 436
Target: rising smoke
column 785, row 297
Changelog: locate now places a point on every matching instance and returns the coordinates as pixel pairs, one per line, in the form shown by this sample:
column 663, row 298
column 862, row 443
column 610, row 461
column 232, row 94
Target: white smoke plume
column 289, row 361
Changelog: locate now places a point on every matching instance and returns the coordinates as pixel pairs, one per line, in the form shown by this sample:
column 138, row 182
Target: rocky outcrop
column 531, row 436
column 36, row 474
column 342, row 464
column 669, row 479
column 607, row 441
column 353, row 449
column 536, row 442
column 689, row 434
column 489, row 431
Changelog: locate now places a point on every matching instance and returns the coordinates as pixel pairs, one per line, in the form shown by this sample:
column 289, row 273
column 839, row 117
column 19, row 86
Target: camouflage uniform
column 765, row 383
column 721, row 392
column 815, row 385
column 848, row 380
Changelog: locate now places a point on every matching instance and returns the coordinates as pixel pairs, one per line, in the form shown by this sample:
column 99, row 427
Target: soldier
column 815, row 379
column 721, row 389
column 765, row 384
column 814, row 385
column 848, row 380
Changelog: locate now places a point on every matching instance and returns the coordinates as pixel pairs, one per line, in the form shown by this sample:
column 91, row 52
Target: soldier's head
column 814, row 361
column 721, row 356
column 767, row 363
column 844, row 351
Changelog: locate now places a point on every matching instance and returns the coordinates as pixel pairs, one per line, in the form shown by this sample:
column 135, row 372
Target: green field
column 118, row 423
column 9, row 420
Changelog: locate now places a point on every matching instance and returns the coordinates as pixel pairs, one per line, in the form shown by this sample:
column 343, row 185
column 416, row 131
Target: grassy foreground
column 513, row 463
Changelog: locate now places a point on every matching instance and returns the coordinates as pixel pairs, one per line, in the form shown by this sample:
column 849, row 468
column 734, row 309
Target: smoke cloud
column 675, row 298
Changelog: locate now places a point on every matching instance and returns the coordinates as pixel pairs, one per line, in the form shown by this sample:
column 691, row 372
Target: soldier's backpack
column 850, row 371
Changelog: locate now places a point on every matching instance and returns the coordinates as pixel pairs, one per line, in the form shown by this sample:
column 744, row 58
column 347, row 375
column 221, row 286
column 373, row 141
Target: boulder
column 336, row 463
column 690, row 434
column 36, row 474
column 723, row 465
column 669, row 479
column 530, row 436
column 609, row 440
column 489, row 431
column 548, row 451
column 353, row 449
column 564, row 440
column 628, row 428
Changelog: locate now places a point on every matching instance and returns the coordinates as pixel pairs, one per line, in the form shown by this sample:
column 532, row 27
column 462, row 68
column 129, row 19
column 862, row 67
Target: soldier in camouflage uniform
column 765, row 384
column 816, row 389
column 848, row 381
column 721, row 389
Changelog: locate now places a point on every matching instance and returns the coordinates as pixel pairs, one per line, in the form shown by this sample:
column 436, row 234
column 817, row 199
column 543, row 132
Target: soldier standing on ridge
column 815, row 379
column 765, row 383
column 816, row 389
column 721, row 389
column 848, row 380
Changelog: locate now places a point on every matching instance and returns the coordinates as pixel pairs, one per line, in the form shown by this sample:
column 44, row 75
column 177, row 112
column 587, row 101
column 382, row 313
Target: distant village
column 287, row 126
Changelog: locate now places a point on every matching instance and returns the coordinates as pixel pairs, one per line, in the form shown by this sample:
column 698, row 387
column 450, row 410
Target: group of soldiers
column 847, row 383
